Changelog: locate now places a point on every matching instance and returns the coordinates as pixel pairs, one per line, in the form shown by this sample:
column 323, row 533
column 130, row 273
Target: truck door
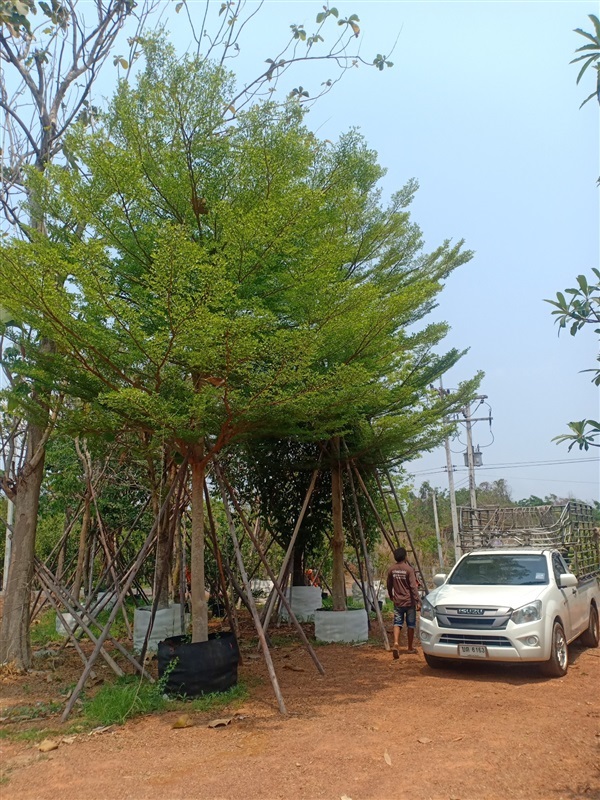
column 573, row 597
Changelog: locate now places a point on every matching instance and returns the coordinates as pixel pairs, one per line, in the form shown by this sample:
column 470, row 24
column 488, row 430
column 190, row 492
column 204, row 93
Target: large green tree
column 226, row 281
column 51, row 55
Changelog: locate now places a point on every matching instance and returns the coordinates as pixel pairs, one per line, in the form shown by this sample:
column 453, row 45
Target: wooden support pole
column 363, row 542
column 233, row 621
column 252, row 604
column 408, row 536
column 272, row 576
column 126, row 586
column 80, row 614
column 288, row 554
column 387, row 509
column 369, row 499
column 80, row 620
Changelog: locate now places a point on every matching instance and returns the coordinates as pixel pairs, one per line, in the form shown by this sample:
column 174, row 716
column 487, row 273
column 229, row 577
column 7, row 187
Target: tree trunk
column 199, row 605
column 338, row 583
column 83, row 545
column 163, row 558
column 298, row 569
column 162, row 571
column 14, row 635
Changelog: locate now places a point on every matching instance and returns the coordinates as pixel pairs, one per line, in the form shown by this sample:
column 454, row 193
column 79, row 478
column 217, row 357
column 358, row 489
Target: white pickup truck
column 512, row 605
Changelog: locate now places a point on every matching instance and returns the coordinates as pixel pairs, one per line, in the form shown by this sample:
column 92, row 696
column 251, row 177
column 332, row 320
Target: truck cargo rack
column 569, row 528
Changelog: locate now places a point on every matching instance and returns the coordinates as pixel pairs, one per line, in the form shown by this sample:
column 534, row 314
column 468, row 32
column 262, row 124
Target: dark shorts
column 411, row 616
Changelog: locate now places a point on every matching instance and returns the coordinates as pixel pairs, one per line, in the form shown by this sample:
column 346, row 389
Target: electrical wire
column 511, row 464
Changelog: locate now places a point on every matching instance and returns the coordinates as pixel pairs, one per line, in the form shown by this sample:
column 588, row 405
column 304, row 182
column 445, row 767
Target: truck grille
column 490, row 641
column 486, row 618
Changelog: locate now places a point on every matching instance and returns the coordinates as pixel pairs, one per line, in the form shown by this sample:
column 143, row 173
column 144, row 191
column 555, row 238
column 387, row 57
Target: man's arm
column 390, row 586
column 414, row 586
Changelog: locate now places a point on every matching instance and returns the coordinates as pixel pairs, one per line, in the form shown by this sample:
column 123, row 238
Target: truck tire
column 435, row 662
column 591, row 636
column 558, row 663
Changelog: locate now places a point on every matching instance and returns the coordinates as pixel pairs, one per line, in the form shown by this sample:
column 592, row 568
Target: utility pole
column 450, row 469
column 470, row 460
column 437, row 530
column 453, row 511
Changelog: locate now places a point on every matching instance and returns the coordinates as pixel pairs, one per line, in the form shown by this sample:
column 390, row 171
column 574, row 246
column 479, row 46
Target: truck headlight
column 427, row 610
column 529, row 613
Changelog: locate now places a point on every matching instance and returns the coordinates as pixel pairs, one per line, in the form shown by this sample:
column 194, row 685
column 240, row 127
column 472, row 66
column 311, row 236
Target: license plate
column 472, row 650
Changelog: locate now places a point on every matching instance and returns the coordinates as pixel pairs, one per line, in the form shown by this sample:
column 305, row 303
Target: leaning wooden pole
column 273, row 577
column 363, row 541
column 286, row 559
column 233, row 621
column 124, row 590
column 252, row 604
column 403, row 518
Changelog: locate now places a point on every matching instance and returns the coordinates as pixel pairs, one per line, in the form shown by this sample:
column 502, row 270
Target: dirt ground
column 371, row 729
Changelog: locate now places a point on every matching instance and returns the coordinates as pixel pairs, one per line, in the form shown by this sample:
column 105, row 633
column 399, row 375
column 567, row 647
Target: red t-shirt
column 402, row 585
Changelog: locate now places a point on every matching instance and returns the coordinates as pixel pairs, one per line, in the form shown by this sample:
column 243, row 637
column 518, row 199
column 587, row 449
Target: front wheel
column 591, row 636
column 558, row 663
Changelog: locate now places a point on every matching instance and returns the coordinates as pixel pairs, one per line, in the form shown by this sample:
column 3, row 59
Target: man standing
column 403, row 591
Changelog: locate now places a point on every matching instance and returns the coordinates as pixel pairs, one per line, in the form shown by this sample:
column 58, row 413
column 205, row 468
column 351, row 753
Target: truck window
column 559, row 566
column 502, row 569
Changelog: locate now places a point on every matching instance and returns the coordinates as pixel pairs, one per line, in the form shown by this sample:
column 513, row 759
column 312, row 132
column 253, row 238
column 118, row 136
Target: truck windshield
column 501, row 570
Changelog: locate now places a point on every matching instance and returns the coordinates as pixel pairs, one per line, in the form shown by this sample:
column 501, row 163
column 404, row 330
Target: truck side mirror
column 439, row 579
column 567, row 580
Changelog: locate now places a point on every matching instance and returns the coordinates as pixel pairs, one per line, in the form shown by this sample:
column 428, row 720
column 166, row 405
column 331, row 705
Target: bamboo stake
column 246, row 582
column 290, row 549
column 79, row 619
column 376, row 514
column 363, row 542
column 271, row 574
column 56, row 607
column 408, row 536
column 164, row 569
column 76, row 609
column 387, row 508
column 217, row 552
column 132, row 573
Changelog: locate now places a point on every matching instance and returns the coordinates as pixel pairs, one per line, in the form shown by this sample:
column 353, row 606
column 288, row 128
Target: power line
column 511, row 464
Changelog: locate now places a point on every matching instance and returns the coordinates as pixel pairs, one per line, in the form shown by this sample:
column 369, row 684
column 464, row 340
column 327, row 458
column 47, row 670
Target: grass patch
column 234, row 696
column 43, row 629
column 38, row 711
column 129, row 697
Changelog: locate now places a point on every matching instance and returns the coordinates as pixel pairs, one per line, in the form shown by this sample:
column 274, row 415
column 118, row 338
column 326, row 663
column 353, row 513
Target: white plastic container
column 167, row 622
column 70, row 622
column 105, row 601
column 341, row 626
column 304, row 601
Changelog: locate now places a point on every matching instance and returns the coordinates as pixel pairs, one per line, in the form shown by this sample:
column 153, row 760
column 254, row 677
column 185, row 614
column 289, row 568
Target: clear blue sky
column 482, row 108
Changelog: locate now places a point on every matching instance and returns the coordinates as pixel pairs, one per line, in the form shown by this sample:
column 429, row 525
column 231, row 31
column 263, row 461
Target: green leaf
column 334, row 12
column 587, row 35
column 178, row 7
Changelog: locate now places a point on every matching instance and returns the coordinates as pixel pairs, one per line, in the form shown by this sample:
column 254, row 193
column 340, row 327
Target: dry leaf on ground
column 183, row 721
column 424, row 740
column 219, row 723
column 101, row 729
column 388, row 758
column 47, row 745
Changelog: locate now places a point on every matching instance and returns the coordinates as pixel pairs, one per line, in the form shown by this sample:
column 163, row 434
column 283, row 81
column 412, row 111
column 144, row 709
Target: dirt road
column 370, row 729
